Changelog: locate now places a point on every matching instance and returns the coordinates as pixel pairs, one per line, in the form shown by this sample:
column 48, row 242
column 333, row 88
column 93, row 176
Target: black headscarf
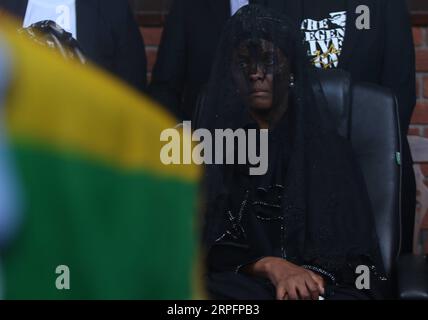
column 313, row 188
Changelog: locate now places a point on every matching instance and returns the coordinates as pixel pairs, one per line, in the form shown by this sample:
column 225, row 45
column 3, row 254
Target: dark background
column 419, row 5
column 152, row 13
column 163, row 5
column 151, row 6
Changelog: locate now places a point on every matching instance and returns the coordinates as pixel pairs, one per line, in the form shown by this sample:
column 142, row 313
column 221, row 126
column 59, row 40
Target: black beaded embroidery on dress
column 235, row 229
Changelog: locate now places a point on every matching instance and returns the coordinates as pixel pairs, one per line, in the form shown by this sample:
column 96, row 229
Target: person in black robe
column 301, row 230
column 107, row 34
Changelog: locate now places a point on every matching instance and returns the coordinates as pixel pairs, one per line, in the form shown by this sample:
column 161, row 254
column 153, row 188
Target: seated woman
column 301, row 230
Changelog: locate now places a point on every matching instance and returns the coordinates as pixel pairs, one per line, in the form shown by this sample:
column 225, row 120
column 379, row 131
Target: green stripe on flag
column 122, row 234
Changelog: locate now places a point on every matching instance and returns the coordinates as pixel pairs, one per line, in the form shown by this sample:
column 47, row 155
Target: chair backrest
column 336, row 90
column 374, row 131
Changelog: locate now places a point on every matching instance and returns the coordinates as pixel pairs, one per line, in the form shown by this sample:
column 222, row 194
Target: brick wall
column 420, row 116
column 152, row 38
column 419, row 128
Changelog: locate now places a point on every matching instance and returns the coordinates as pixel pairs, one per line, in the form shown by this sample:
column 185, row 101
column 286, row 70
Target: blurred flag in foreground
column 103, row 218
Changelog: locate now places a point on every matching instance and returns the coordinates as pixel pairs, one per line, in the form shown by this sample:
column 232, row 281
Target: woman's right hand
column 291, row 281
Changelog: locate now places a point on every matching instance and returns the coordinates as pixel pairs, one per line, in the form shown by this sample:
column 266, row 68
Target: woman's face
column 256, row 65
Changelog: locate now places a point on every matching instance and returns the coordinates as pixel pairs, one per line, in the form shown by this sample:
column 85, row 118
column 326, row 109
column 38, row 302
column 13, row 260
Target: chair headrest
column 336, row 87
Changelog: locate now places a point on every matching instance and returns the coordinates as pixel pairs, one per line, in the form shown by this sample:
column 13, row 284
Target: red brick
column 414, row 131
column 425, row 87
column 418, row 36
column 426, row 34
column 422, row 60
column 425, row 223
column 424, row 167
column 151, row 58
column 152, row 36
column 420, row 115
column 419, row 80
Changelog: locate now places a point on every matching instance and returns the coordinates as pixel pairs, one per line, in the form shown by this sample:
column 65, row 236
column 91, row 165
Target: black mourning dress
column 310, row 208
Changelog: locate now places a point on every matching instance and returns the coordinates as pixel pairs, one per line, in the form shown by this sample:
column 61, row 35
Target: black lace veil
column 324, row 207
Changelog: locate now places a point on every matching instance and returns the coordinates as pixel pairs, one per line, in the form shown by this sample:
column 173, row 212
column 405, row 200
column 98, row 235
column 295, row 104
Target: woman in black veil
column 300, row 230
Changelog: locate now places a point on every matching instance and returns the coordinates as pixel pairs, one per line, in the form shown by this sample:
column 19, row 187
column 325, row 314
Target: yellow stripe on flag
column 80, row 109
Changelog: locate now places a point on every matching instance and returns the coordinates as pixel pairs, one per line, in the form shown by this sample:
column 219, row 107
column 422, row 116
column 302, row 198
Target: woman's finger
column 313, row 289
column 319, row 281
column 280, row 292
column 300, row 287
column 292, row 292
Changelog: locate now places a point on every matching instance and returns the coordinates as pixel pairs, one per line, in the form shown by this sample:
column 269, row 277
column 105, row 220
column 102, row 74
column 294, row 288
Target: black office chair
column 367, row 115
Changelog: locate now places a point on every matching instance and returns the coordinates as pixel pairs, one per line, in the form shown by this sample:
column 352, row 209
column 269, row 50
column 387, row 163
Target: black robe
column 108, row 35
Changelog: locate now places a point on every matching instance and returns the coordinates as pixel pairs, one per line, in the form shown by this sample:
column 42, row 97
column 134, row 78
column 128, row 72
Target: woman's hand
column 291, row 281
